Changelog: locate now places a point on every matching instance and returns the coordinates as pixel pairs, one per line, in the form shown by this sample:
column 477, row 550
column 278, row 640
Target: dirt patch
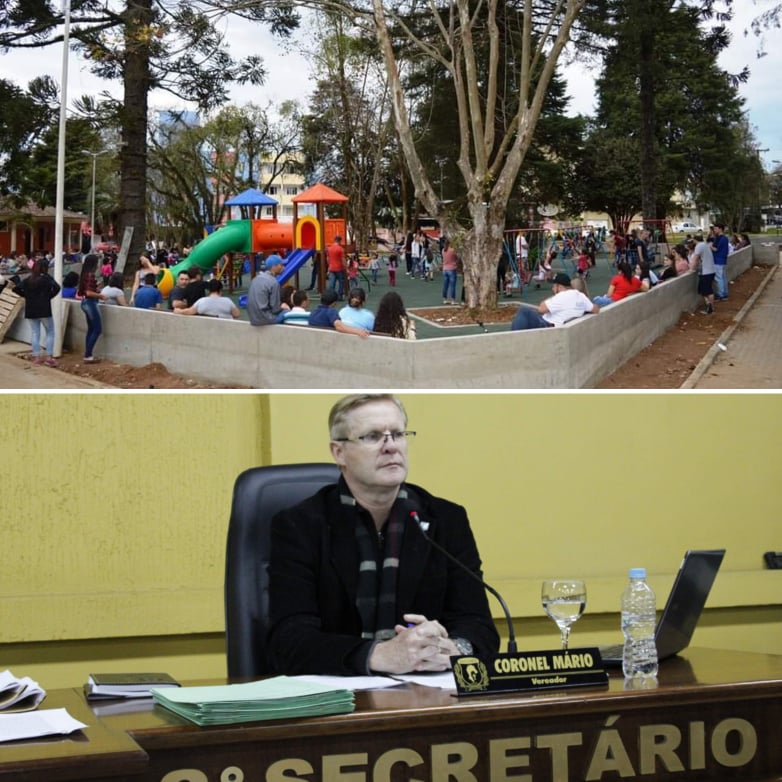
column 671, row 359
column 463, row 316
column 126, row 376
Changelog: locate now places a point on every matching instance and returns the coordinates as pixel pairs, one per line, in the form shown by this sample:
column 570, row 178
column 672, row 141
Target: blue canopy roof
column 252, row 197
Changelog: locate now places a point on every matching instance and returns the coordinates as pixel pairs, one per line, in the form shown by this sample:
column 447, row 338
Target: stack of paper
column 281, row 697
column 19, row 694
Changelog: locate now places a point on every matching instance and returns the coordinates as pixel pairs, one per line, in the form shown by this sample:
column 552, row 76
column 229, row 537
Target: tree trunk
column 648, row 121
column 489, row 164
column 133, row 155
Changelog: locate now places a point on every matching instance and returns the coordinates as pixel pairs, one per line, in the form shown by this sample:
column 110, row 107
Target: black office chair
column 259, row 493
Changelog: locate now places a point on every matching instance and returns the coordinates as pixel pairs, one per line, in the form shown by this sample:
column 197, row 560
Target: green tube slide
column 234, row 237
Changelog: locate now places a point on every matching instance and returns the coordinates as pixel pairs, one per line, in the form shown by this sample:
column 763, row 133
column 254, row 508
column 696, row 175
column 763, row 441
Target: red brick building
column 29, row 228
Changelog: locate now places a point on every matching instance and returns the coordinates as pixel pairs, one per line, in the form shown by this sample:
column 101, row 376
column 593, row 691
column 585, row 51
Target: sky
column 288, row 70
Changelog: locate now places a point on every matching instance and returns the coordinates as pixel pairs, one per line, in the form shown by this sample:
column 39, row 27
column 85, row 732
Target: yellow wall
column 115, row 509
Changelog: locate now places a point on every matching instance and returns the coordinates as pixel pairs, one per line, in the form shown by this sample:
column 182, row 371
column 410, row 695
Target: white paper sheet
column 443, row 681
column 34, row 724
column 352, row 682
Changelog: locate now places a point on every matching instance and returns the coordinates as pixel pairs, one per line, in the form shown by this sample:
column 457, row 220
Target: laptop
column 683, row 609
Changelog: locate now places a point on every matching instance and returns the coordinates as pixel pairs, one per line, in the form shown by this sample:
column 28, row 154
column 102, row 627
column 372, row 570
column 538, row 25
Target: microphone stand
column 511, row 634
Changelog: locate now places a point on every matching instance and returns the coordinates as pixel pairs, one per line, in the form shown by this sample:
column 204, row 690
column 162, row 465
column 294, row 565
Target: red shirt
column 335, row 256
column 623, row 287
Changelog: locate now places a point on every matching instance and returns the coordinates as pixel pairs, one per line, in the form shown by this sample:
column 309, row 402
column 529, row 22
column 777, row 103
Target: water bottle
column 639, row 659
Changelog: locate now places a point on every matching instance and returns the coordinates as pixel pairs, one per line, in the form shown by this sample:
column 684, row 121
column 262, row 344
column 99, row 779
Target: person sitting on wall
column 196, row 288
column 148, row 297
column 566, row 304
column 621, row 286
column 176, row 299
column 298, row 314
column 214, row 305
column 354, row 313
column 264, row 304
column 326, row 317
column 69, row 285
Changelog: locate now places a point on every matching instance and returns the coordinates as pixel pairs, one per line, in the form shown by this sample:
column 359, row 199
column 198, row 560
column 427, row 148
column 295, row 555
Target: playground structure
column 563, row 243
column 298, row 241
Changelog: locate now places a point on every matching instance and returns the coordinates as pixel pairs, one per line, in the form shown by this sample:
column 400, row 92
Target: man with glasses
column 354, row 586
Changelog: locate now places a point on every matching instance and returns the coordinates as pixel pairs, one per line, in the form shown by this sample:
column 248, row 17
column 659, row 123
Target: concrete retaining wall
column 577, row 355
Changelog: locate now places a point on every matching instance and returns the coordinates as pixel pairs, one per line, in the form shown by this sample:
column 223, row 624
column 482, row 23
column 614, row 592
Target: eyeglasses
column 376, row 438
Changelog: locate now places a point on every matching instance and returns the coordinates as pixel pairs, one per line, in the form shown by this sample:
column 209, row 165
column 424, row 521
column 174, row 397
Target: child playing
column 393, row 263
column 583, row 264
column 298, row 314
column 353, row 273
column 106, row 270
column 374, row 266
column 544, row 269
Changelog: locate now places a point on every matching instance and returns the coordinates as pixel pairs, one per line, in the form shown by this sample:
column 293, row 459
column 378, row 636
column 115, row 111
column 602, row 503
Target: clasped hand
column 420, row 645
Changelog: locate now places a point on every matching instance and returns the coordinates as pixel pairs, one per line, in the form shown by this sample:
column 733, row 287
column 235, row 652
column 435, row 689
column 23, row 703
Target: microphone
column 423, row 526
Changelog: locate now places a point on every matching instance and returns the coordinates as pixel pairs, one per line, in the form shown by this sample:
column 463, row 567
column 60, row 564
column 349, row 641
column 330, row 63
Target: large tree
column 607, row 176
column 25, row 119
column 147, row 44
column 659, row 73
column 464, row 39
column 685, row 125
column 346, row 130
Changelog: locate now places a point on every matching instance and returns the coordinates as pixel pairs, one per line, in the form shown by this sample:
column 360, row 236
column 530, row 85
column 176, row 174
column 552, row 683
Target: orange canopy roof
column 320, row 194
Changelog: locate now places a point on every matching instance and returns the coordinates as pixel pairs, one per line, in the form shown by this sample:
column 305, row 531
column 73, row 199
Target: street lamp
column 441, row 161
column 92, row 208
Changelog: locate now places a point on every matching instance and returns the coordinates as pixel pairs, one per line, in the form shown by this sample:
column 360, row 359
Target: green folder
column 281, row 697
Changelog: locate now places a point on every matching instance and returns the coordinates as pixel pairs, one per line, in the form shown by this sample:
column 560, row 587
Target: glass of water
column 564, row 601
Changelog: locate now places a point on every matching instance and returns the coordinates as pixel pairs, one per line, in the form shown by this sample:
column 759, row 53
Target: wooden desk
column 97, row 751
column 714, row 715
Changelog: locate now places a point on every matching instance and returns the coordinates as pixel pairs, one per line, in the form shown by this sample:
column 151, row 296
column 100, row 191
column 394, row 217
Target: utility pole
column 92, row 209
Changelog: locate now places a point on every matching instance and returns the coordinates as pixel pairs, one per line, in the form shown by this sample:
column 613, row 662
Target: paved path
column 753, row 347
column 18, row 374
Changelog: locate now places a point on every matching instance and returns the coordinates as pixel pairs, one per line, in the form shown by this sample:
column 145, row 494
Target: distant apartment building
column 283, row 187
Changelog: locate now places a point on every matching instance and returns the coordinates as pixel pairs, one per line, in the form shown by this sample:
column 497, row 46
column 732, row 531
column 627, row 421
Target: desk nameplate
column 529, row 671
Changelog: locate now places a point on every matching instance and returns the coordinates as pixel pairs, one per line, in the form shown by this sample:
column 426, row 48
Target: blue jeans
column 336, row 282
column 313, row 276
column 602, row 301
column 527, row 318
column 721, row 278
column 94, row 325
column 449, row 284
column 35, row 340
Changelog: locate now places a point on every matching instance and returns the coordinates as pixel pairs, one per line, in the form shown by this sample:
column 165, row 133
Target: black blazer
column 313, row 573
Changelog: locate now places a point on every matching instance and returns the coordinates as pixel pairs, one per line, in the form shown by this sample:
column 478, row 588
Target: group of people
column 707, row 256
column 419, row 255
column 269, row 303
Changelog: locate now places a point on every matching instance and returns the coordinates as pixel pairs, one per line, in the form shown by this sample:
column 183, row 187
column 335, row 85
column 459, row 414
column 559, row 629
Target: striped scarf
column 378, row 570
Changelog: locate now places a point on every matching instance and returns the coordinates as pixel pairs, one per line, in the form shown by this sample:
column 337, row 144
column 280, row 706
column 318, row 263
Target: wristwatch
column 463, row 645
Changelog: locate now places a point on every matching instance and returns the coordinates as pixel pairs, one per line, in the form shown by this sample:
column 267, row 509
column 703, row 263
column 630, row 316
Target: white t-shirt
column 216, row 306
column 111, row 294
column 521, row 246
column 566, row 305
